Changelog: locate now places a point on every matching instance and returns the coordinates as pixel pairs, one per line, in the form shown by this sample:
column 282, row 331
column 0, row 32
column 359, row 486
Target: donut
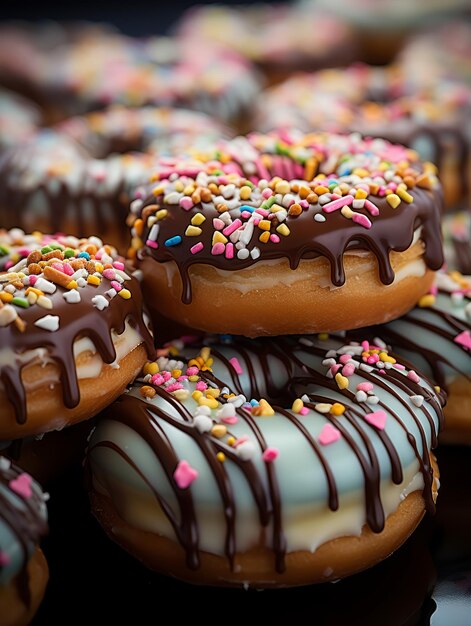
column 317, row 216
column 279, row 39
column 457, row 241
column 73, row 333
column 430, row 117
column 19, row 118
column 436, row 336
column 79, row 176
column 199, row 482
column 23, row 522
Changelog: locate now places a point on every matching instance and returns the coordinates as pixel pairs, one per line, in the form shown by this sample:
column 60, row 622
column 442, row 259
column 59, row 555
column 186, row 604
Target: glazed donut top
column 436, row 334
column 358, row 421
column 272, row 35
column 58, row 290
column 265, row 197
column 19, row 118
column 23, row 521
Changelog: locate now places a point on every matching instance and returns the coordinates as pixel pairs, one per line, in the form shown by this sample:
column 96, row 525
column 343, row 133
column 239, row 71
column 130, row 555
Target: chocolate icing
column 26, row 522
column 143, row 416
column 76, row 320
column 391, row 230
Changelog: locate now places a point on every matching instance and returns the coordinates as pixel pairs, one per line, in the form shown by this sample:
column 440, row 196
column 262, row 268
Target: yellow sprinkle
column 245, row 192
column 323, row 336
column 218, row 238
column 347, row 212
column 304, row 192
column 198, row 219
column 44, row 302
column 211, row 402
column 437, row 388
column 283, row 230
column 426, row 301
column 5, row 296
column 188, row 190
column 275, row 208
column 72, row 284
column 151, row 368
column 161, row 214
column 158, row 191
column 193, row 231
column 193, row 379
column 264, row 224
column 337, row 409
column 266, row 409
column 213, row 392
column 196, row 395
column 99, row 267
column 361, row 194
column 264, row 237
column 125, row 294
column 283, row 187
column 342, row 381
column 221, row 457
column 359, row 171
column 147, row 391
column 219, row 431
column 393, row 200
column 31, row 297
column 384, row 356
column 93, row 280
column 179, row 186
column 181, row 394
column 231, row 441
column 310, row 168
column 176, row 373
column 205, row 352
column 404, row 195
column 297, row 405
column 320, row 189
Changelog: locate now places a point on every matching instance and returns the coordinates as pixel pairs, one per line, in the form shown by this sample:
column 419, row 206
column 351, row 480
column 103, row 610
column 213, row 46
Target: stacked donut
column 295, row 458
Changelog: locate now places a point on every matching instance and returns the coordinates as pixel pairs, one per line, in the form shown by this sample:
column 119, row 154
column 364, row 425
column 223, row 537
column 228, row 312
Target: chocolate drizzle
column 391, row 230
column 78, row 320
column 143, row 417
column 26, row 521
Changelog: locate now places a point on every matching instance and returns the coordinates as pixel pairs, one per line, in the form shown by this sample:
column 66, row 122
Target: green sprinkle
column 3, row 250
column 268, row 202
column 22, row 302
column 68, row 253
column 46, row 249
column 56, row 246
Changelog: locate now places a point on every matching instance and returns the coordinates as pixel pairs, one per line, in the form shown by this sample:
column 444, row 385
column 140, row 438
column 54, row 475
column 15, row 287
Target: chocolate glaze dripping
column 391, row 230
column 26, row 524
column 78, row 320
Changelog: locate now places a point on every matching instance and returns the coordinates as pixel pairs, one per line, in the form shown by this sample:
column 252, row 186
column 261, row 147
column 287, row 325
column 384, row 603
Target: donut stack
column 255, row 331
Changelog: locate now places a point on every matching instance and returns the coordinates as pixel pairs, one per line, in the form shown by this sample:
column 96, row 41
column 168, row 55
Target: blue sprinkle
column 83, row 255
column 173, row 241
column 254, row 402
column 245, row 207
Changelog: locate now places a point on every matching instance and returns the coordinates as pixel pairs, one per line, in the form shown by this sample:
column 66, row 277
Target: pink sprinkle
column 229, row 252
column 58, row 266
column 256, row 221
column 186, row 203
column 335, row 368
column 242, row 439
column 201, row 386
column 348, row 370
column 372, row 359
column 338, row 204
column 32, row 280
column 413, row 376
column 433, row 290
column 361, row 219
column 22, row 485
column 262, row 212
column 184, row 475
column 464, row 339
column 233, row 419
column 4, row 559
column 118, row 265
column 236, row 365
column 377, row 419
column 218, row 223
column 344, row 358
column 372, row 208
column 152, row 244
column 67, row 269
column 116, row 285
column 197, row 247
column 158, row 379
column 399, row 366
column 232, row 227
column 304, row 204
column 167, row 376
column 181, row 378
column 365, row 387
column 174, row 387
column 109, row 274
column 365, row 345
column 246, row 215
column 270, row 454
column 98, row 255
column 267, row 193
column 218, row 248
column 304, row 410
column 329, row 434
column 274, row 238
column 192, row 371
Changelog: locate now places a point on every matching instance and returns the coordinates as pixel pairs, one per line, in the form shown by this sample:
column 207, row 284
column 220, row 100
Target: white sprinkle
column 358, row 204
column 372, row 399
column 255, row 253
column 45, row 285
column 237, row 401
column 154, row 232
column 227, row 410
column 331, row 354
column 82, row 273
column 202, row 410
column 111, row 293
column 81, row 282
column 8, row 315
column 361, row 396
column 245, row 450
column 100, row 302
column 203, row 423
column 305, row 398
column 48, row 322
column 72, row 296
column 319, row 217
column 380, row 343
column 4, row 464
column 44, row 302
column 328, row 362
column 467, row 310
column 323, row 407
column 365, row 367
column 417, row 400
column 306, row 342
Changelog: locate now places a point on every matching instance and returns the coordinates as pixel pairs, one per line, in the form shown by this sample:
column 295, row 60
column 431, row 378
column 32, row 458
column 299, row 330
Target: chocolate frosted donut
column 23, row 568
column 72, row 333
column 429, row 114
column 79, row 176
column 436, row 336
column 333, row 231
column 200, row 482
